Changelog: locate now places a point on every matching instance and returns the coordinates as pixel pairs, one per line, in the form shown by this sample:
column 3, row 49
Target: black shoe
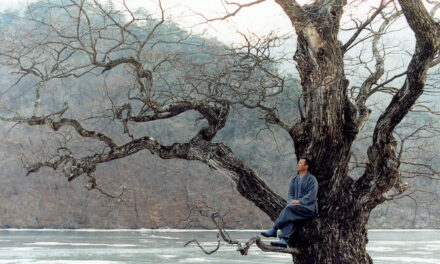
column 280, row 243
column 269, row 233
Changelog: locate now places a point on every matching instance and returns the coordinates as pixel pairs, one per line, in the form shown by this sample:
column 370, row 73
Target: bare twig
column 242, row 248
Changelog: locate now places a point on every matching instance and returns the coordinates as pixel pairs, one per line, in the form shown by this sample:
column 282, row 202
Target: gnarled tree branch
column 382, row 173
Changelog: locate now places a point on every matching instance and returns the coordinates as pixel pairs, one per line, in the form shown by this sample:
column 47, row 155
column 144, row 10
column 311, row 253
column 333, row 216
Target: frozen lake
column 28, row 246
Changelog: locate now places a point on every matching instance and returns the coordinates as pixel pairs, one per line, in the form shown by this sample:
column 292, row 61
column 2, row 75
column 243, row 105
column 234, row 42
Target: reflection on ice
column 76, row 262
column 380, row 249
column 20, row 249
column 386, row 242
column 409, row 260
column 194, row 260
column 78, row 244
column 164, row 237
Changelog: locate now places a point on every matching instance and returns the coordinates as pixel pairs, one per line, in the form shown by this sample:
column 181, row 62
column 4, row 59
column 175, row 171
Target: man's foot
column 269, row 233
column 280, row 243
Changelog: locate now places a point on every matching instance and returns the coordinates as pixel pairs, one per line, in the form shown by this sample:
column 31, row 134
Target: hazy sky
column 262, row 19
column 259, row 19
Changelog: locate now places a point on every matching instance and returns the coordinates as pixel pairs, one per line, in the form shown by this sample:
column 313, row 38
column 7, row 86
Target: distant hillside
column 165, row 193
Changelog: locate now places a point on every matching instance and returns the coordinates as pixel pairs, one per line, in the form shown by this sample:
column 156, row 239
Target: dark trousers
column 291, row 213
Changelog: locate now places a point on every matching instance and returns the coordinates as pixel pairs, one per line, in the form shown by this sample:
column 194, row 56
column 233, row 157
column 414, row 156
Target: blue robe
column 305, row 190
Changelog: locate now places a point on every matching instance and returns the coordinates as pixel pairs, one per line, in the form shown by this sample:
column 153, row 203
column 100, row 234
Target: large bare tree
column 78, row 38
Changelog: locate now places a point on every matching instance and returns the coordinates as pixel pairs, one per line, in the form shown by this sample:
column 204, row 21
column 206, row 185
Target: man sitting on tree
column 302, row 204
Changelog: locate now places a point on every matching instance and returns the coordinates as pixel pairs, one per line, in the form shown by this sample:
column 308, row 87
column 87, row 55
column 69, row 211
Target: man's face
column 301, row 166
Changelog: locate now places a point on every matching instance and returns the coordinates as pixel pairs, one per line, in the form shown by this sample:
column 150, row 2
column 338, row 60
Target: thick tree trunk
column 338, row 234
column 329, row 240
column 329, row 124
column 325, row 136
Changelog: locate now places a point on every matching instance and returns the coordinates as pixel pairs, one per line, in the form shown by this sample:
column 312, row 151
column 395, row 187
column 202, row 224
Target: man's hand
column 295, row 202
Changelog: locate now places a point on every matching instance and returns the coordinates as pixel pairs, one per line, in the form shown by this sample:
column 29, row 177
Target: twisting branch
column 271, row 115
column 426, row 109
column 93, row 185
column 264, row 247
column 56, row 125
column 216, row 155
column 243, row 248
column 215, row 114
column 202, row 248
column 362, row 26
column 238, row 8
column 409, row 195
column 366, row 89
column 50, row 164
column 380, row 86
